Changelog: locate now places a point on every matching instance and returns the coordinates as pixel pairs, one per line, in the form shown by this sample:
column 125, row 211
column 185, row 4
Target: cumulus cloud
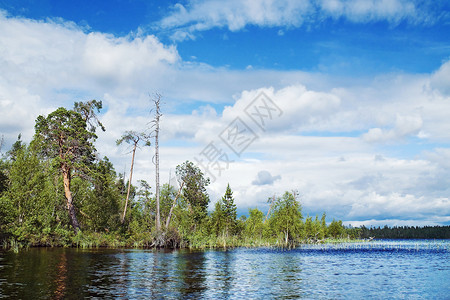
column 235, row 15
column 265, row 178
column 49, row 63
column 404, row 126
column 441, row 79
column 298, row 106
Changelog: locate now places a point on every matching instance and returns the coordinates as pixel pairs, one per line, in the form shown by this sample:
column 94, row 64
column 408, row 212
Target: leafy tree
column 254, row 225
column 316, row 226
column 3, row 175
column 139, row 215
column 240, row 225
column 194, row 191
column 286, row 216
column 336, row 229
column 64, row 138
column 100, row 204
column 144, row 196
column 28, row 202
column 167, row 194
column 309, row 227
column 133, row 138
column 218, row 219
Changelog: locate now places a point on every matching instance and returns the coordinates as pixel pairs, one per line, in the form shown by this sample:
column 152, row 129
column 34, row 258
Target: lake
column 410, row 269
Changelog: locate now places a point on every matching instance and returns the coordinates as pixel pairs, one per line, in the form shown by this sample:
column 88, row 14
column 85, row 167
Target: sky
column 345, row 101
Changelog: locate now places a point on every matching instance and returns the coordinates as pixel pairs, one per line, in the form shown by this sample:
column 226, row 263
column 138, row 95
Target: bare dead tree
column 169, row 217
column 134, row 138
column 155, row 131
column 271, row 201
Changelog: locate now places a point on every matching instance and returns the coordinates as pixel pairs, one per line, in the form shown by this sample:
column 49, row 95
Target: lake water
column 415, row 269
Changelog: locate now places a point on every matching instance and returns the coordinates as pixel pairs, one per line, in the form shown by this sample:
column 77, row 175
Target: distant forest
column 406, row 232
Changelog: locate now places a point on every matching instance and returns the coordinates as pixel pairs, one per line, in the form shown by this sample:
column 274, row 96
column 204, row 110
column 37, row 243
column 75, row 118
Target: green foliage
column 323, row 232
column 336, row 229
column 254, row 225
column 99, row 201
column 30, row 200
column 3, row 176
column 134, row 138
column 4, row 170
column 223, row 218
column 194, row 191
column 88, row 112
column 286, row 217
column 34, row 200
column 218, row 219
column 405, row 232
column 63, row 137
column 229, row 208
column 167, row 194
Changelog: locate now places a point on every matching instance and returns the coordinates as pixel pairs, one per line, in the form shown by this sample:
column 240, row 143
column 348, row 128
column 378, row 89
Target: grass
column 194, row 241
column 14, row 245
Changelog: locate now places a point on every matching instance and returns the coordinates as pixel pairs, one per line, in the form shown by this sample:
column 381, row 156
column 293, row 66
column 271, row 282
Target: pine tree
column 229, row 209
column 64, row 138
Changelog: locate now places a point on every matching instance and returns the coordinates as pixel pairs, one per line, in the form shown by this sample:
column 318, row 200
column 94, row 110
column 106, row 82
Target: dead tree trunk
column 129, row 184
column 156, row 101
column 173, row 206
column 270, row 207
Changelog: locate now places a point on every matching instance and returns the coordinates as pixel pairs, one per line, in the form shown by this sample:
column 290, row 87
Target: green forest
column 58, row 191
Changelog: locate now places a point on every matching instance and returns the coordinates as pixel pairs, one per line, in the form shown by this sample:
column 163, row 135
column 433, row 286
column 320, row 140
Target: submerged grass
column 86, row 240
column 198, row 241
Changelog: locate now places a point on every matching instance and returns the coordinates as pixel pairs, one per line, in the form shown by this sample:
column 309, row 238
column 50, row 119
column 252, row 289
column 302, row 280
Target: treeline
column 57, row 191
column 406, row 232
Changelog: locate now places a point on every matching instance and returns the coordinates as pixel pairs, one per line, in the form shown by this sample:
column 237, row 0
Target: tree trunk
column 129, row 185
column 157, row 115
column 270, row 207
column 173, row 205
column 68, row 194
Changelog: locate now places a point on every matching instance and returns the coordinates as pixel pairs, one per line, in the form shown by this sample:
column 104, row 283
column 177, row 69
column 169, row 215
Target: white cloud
column 441, row 79
column 265, row 178
column 124, row 60
column 369, row 10
column 405, row 126
column 50, row 64
column 236, row 14
column 325, row 143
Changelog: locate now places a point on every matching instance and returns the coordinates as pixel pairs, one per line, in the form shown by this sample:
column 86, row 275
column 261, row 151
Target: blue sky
column 330, row 45
column 363, row 87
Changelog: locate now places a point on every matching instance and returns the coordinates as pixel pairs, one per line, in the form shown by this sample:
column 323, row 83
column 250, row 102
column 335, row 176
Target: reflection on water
column 420, row 269
column 61, row 278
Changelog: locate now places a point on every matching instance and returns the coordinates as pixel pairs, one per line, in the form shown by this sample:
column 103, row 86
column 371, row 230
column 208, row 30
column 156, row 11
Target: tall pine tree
column 229, row 209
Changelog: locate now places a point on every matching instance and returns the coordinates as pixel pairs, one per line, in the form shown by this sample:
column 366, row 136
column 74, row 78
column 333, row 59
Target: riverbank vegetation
column 58, row 191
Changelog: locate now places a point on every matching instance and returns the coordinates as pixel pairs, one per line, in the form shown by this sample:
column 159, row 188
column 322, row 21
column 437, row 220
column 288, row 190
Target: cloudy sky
column 345, row 101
